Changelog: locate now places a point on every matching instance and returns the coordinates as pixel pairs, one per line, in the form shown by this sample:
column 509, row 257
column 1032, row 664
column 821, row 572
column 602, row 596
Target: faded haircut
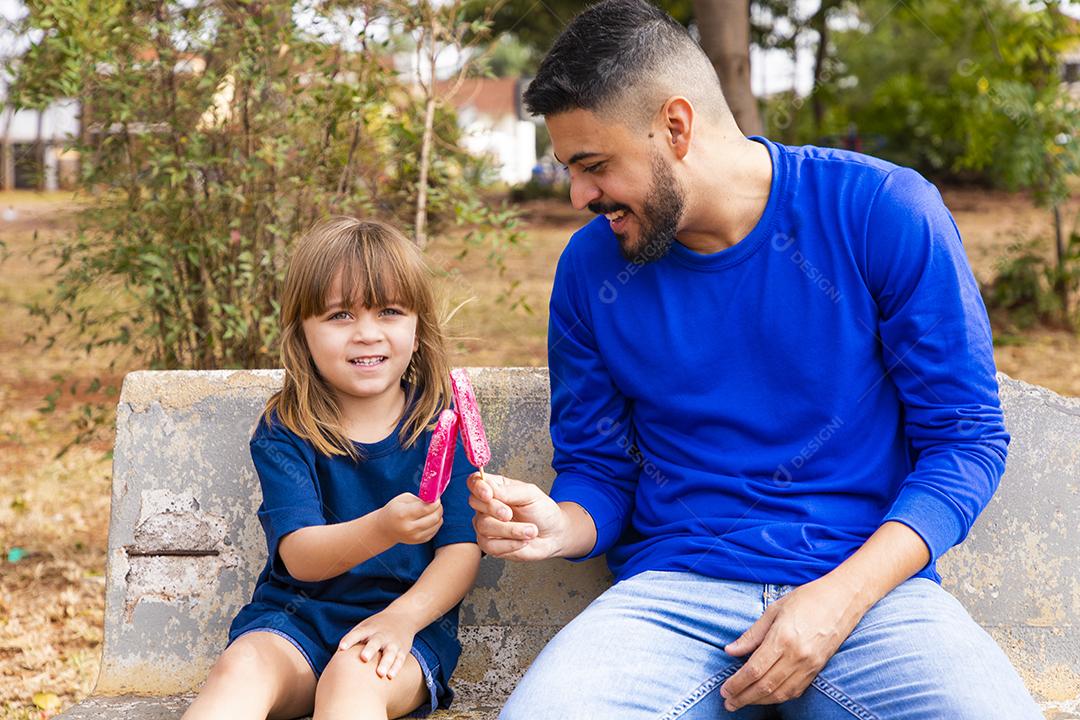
column 624, row 59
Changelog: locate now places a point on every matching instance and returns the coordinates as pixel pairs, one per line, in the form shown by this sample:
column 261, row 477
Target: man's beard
column 661, row 213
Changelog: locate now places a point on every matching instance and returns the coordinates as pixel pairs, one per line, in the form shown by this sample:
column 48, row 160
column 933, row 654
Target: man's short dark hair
column 625, row 57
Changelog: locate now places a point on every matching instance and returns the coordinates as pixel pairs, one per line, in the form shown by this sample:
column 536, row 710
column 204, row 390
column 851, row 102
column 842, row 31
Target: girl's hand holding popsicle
column 439, row 465
column 409, row 520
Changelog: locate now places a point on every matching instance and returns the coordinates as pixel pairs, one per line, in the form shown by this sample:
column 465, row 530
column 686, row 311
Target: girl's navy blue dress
column 301, row 487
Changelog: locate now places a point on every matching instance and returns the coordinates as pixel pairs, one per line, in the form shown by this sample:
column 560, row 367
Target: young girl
column 355, row 613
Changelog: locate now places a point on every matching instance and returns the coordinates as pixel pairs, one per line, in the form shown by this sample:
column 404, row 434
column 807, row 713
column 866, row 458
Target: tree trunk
column 425, row 163
column 39, row 150
column 1061, row 278
column 425, row 144
column 7, row 160
column 820, row 23
column 725, row 37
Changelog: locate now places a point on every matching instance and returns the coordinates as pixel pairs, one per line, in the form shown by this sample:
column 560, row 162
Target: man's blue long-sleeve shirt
column 757, row 413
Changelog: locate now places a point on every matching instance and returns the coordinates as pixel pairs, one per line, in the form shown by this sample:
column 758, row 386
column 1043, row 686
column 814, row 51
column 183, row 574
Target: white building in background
column 31, row 142
column 32, row 146
column 1070, row 64
column 489, row 115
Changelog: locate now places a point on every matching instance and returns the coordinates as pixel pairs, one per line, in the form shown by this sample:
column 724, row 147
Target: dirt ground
column 54, row 510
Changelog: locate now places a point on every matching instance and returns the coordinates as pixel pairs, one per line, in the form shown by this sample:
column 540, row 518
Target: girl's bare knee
column 240, row 663
column 263, row 674
column 348, row 682
column 348, row 675
column 230, row 685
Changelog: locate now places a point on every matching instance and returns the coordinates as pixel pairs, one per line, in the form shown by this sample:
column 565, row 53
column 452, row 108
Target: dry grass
column 995, row 225
column 488, row 332
column 56, row 510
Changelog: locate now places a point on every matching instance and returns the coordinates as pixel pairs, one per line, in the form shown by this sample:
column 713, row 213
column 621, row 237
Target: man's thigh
column 916, row 654
column 648, row 648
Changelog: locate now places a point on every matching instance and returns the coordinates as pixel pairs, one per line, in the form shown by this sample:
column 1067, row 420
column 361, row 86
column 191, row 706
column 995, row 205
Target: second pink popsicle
column 473, row 436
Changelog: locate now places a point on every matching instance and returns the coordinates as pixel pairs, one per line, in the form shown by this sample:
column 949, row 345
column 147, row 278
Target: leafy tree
column 506, row 57
column 214, row 133
column 970, row 91
column 946, row 84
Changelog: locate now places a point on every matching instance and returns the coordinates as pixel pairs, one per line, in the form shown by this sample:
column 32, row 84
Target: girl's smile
column 368, row 361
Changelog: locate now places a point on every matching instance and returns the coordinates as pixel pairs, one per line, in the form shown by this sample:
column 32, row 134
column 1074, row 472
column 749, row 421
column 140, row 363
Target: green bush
column 536, row 190
column 959, row 90
column 213, row 134
column 1027, row 290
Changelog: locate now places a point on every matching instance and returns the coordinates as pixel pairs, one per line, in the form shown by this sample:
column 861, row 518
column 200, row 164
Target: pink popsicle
column 473, row 436
column 440, row 457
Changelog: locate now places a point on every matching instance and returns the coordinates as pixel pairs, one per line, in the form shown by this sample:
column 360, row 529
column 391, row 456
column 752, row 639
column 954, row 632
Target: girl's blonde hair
column 379, row 267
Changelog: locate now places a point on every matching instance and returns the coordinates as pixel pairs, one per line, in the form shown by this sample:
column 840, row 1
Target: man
column 773, row 408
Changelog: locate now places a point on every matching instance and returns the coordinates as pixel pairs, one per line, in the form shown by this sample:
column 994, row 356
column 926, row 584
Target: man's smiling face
column 620, row 173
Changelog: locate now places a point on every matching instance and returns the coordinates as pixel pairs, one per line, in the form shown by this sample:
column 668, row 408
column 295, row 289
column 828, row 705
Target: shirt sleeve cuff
column 931, row 515
column 279, row 523
column 605, row 514
column 454, row 534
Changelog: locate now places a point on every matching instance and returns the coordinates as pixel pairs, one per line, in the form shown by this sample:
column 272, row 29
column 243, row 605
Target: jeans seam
column 701, row 691
column 840, row 698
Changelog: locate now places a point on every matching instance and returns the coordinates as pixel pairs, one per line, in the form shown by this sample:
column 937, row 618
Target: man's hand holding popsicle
column 518, row 521
column 473, row 436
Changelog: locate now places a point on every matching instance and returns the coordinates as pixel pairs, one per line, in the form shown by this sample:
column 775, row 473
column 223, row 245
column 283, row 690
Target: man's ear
column 677, row 117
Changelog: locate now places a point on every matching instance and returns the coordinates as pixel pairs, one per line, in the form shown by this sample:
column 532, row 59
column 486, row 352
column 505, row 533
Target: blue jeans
column 651, row 648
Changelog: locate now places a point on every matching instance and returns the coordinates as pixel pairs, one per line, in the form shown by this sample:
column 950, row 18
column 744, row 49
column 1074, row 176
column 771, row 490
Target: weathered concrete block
column 1018, row 572
column 185, row 545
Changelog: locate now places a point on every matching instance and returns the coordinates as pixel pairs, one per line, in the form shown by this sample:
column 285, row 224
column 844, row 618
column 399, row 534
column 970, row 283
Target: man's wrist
column 891, row 555
column 858, row 595
column 576, row 533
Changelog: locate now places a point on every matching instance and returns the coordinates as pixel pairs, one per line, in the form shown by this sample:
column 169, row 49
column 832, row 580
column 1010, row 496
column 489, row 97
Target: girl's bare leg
column 350, row 688
column 260, row 676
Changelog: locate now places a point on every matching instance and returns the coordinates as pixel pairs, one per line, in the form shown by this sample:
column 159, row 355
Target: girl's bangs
column 374, row 274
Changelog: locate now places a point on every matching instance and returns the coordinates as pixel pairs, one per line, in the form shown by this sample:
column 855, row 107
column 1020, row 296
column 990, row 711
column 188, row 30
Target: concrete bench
column 185, row 545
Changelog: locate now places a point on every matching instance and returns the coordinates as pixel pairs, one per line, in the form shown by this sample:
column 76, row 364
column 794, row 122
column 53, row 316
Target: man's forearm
column 890, row 556
column 578, row 534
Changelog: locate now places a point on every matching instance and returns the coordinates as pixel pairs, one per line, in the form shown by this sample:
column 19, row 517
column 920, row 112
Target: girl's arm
column 321, row 552
column 442, row 585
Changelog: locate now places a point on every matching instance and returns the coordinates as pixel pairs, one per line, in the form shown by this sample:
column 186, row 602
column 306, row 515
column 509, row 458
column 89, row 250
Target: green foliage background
column 213, row 134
